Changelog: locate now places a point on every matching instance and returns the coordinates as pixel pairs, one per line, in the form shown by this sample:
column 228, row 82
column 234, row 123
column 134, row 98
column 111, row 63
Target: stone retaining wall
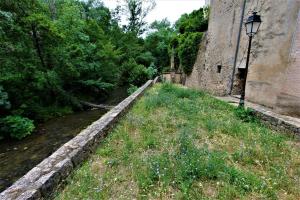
column 276, row 123
column 273, row 120
column 45, row 177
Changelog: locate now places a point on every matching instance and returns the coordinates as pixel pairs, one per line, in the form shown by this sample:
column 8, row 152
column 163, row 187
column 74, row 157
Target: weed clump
column 246, row 115
column 168, row 95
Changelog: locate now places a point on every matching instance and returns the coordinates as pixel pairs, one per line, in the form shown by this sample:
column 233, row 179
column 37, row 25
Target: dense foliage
column 55, row 53
column 185, row 45
column 157, row 42
column 188, row 50
column 197, row 21
column 15, row 127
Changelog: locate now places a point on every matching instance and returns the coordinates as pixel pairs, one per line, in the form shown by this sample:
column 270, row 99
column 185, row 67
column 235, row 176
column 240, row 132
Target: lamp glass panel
column 248, row 28
column 255, row 27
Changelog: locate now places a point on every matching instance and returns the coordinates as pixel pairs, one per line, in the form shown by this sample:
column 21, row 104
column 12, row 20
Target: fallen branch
column 101, row 106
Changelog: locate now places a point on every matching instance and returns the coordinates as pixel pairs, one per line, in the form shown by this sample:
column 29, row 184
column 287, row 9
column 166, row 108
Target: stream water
column 18, row 157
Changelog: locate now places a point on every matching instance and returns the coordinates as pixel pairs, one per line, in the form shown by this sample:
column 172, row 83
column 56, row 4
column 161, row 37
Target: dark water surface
column 18, row 157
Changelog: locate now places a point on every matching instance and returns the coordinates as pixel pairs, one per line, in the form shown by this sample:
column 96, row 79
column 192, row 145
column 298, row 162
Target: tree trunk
column 37, row 45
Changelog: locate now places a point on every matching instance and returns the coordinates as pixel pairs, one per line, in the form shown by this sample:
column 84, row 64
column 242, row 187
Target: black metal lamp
column 252, row 26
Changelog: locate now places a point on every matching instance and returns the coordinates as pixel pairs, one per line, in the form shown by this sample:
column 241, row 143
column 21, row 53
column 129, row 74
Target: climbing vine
column 185, row 44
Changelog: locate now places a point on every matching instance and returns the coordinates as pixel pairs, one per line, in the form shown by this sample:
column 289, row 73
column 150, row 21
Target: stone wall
column 275, row 121
column 273, row 78
column 45, row 177
column 172, row 77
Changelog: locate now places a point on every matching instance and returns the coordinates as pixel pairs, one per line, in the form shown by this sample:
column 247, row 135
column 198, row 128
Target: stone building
column 274, row 71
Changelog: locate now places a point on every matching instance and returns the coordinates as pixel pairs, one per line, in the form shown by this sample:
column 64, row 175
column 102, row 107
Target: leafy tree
column 157, row 42
column 197, row 21
column 56, row 53
column 137, row 11
column 152, row 71
column 49, row 52
column 134, row 73
column 185, row 45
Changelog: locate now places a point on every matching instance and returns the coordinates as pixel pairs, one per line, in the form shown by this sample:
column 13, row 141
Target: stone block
column 29, row 195
column 47, row 183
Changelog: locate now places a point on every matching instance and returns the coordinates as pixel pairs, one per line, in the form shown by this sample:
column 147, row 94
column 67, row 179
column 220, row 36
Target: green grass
column 177, row 143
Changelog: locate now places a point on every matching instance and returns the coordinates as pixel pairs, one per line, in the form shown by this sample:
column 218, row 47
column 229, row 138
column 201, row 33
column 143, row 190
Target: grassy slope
column 181, row 144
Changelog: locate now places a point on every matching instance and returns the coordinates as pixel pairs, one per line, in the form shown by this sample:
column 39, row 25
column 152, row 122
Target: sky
column 170, row 9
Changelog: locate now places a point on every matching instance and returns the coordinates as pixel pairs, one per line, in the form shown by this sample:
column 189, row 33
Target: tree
column 50, row 51
column 55, row 54
column 157, row 42
column 185, row 45
column 197, row 21
column 136, row 11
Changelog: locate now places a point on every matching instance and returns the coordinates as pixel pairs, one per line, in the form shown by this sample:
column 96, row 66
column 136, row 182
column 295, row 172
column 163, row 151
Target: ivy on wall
column 185, row 44
column 188, row 51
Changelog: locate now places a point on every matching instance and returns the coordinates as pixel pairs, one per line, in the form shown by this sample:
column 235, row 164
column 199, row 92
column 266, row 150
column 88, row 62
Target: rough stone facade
column 274, row 72
column 45, row 177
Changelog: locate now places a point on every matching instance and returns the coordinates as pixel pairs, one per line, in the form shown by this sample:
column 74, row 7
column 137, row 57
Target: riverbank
column 178, row 143
column 43, row 179
column 17, row 157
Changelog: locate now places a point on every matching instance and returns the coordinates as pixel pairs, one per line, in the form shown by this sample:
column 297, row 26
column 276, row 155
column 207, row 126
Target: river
column 18, row 157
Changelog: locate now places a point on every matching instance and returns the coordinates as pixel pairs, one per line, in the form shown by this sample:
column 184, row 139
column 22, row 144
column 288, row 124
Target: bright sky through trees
column 171, row 9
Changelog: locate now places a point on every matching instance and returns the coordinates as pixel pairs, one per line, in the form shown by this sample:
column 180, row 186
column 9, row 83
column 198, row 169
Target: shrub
column 188, row 50
column 151, row 71
column 134, row 73
column 16, row 127
column 246, row 115
column 145, row 58
column 132, row 89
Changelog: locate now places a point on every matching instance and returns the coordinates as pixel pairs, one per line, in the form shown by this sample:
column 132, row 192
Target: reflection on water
column 18, row 157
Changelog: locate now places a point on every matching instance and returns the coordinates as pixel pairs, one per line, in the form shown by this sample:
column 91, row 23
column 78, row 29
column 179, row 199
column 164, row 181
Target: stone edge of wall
column 41, row 180
column 276, row 123
column 271, row 119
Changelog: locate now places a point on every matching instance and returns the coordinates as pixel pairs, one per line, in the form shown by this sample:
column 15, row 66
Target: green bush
column 134, row 73
column 151, row 71
column 16, row 127
column 132, row 89
column 188, row 50
column 246, row 115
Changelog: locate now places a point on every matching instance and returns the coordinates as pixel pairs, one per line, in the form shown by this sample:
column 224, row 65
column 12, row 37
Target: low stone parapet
column 45, row 177
column 269, row 117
